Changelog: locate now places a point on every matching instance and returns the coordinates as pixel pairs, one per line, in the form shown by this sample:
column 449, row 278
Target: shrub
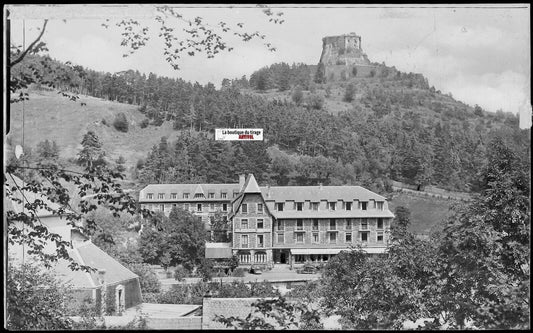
column 297, row 95
column 104, row 122
column 145, row 123
column 147, row 278
column 349, row 94
column 121, row 123
column 354, row 71
column 372, row 73
column 238, row 272
column 315, row 101
column 181, row 273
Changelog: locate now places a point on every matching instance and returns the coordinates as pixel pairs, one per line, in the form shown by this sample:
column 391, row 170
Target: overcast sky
column 481, row 55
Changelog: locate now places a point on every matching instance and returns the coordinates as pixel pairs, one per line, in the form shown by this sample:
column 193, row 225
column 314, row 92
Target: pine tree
column 92, row 153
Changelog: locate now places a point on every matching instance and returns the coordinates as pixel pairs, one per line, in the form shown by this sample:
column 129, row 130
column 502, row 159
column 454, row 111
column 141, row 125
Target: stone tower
column 343, row 50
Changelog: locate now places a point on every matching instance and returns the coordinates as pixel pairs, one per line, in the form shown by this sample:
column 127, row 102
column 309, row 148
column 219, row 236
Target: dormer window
column 279, row 206
column 149, row 195
column 348, row 206
column 235, row 194
column 299, row 206
column 199, row 196
column 211, row 195
column 173, row 195
column 332, row 205
column 223, row 195
column 160, row 195
column 363, row 205
column 314, row 205
column 379, row 205
column 185, row 195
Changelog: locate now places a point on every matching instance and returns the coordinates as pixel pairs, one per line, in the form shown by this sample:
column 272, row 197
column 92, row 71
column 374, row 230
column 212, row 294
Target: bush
column 144, row 123
column 354, row 71
column 181, row 273
column 104, row 122
column 238, row 272
column 315, row 101
column 372, row 73
column 349, row 94
column 121, row 123
column 206, row 270
column 297, row 95
column 147, row 278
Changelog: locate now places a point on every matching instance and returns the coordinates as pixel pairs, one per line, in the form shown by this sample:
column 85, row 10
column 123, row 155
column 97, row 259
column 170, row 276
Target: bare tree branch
column 21, row 57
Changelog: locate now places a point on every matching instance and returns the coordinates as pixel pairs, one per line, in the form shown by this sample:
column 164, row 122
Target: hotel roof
column 317, row 193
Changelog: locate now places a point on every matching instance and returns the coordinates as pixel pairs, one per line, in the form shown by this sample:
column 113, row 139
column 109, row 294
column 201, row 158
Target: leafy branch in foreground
column 48, row 194
column 276, row 314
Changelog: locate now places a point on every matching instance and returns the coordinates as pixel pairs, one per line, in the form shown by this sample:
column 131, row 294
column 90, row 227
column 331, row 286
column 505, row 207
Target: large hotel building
column 282, row 224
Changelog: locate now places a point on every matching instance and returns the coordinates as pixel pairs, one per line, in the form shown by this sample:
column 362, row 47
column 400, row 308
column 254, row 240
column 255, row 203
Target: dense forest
column 395, row 126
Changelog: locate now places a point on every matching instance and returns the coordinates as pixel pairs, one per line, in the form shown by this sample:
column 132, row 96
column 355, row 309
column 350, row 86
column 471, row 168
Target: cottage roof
column 218, row 250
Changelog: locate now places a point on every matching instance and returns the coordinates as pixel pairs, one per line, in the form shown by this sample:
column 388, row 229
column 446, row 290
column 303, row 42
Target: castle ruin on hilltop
column 343, row 50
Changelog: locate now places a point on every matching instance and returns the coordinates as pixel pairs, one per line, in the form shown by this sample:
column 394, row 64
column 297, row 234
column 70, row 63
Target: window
column 224, row 207
column 211, row 206
column 333, row 237
column 211, row 195
column 332, row 224
column 314, row 205
column 260, row 208
column 364, row 224
column 348, row 237
column 260, row 224
column 380, row 223
column 173, row 195
column 332, row 205
column 160, row 195
column 244, row 240
column 185, row 195
column 380, row 237
column 162, row 208
column 363, row 205
column 244, row 223
column 315, row 237
column 364, row 237
column 199, row 207
column 235, row 194
column 348, row 206
column 186, row 206
column 379, row 205
column 280, row 225
column 244, row 208
column 348, row 224
column 299, row 224
column 279, row 206
column 299, row 206
column 315, row 224
column 260, row 241
column 223, row 195
column 281, row 238
column 299, row 237
column 199, row 195
column 149, row 195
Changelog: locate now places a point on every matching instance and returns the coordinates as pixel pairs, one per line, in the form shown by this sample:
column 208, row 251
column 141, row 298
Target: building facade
column 291, row 224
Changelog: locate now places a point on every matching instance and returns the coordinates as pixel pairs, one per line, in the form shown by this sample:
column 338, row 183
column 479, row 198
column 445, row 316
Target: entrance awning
column 336, row 251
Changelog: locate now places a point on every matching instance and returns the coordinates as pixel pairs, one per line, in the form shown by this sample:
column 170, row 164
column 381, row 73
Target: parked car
column 256, row 270
column 307, row 269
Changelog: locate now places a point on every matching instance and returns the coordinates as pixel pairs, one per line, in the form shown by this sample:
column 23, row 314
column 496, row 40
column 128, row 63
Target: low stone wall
column 180, row 323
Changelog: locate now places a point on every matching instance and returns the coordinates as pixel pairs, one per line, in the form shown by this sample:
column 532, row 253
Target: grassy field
column 49, row 116
column 426, row 212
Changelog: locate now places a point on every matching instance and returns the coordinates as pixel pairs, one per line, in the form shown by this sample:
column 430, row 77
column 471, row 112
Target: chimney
column 242, row 179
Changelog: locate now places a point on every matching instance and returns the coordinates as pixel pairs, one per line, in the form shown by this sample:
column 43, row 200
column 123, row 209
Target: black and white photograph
column 267, row 166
